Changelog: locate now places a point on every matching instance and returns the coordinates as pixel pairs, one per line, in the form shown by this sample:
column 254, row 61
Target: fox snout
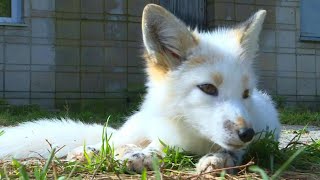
column 244, row 130
column 246, row 134
column 240, row 128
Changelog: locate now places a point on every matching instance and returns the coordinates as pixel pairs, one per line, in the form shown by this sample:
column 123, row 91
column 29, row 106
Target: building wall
column 287, row 67
column 27, row 56
column 98, row 51
column 74, row 52
column 88, row 51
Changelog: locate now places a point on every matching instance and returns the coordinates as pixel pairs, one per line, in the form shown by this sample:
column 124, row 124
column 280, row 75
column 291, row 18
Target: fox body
column 201, row 96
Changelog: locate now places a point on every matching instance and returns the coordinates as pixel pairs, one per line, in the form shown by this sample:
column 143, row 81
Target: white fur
column 32, row 139
column 174, row 110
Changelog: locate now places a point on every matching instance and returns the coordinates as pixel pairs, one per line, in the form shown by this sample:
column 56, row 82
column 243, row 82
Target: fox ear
column 166, row 38
column 250, row 31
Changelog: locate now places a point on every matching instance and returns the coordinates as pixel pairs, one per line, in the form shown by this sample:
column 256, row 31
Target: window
column 10, row 11
column 193, row 13
column 309, row 25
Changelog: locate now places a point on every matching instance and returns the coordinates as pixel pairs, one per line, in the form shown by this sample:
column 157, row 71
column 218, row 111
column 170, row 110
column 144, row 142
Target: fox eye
column 208, row 89
column 246, row 94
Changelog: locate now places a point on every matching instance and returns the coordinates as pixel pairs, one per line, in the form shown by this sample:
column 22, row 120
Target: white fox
column 201, row 97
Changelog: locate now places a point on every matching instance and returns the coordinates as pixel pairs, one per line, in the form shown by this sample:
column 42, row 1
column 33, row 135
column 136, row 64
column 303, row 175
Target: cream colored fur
column 174, row 109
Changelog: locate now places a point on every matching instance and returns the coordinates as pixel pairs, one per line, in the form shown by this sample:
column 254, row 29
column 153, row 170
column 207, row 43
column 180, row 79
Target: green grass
column 12, row 115
column 299, row 116
column 268, row 155
column 177, row 159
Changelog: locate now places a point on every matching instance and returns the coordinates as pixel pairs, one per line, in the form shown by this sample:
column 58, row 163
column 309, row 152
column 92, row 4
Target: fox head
column 205, row 79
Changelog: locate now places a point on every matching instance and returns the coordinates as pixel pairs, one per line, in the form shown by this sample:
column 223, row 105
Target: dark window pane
column 310, row 26
column 5, row 8
column 192, row 12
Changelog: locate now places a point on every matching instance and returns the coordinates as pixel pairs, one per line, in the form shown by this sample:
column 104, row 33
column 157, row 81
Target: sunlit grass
column 299, row 116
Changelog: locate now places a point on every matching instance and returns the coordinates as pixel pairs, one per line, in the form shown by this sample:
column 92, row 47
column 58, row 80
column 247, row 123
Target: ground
column 269, row 157
column 290, row 131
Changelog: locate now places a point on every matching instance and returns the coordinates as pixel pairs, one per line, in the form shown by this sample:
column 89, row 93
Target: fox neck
column 159, row 98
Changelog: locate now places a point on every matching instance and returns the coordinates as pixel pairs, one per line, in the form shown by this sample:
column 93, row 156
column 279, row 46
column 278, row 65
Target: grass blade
column 22, row 170
column 156, row 167
column 48, row 162
column 286, row 164
column 5, row 172
column 223, row 174
column 23, row 173
column 256, row 169
column 73, row 170
column 86, row 155
column 37, row 173
column 144, row 174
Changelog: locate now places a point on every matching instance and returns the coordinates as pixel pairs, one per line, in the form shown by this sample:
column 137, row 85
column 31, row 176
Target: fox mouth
column 235, row 146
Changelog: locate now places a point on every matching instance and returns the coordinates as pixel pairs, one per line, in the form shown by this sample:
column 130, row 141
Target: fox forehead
column 217, row 59
column 220, row 73
column 218, row 44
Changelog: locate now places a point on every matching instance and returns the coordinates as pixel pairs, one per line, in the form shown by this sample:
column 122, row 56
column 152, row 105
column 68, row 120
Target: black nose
column 246, row 134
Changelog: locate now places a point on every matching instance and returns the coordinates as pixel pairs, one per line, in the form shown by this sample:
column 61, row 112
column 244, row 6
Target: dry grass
column 59, row 169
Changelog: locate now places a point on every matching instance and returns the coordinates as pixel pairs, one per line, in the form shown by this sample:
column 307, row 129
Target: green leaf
column 37, row 173
column 144, row 174
column 223, row 174
column 22, row 170
column 46, row 166
column 256, row 169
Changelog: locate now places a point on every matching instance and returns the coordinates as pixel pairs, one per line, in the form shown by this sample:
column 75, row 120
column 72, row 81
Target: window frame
column 16, row 13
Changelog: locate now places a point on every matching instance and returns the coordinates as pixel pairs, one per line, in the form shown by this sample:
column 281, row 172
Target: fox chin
column 201, row 96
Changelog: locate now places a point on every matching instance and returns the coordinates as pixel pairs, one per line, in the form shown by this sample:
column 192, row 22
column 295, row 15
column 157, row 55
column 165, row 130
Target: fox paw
column 214, row 161
column 136, row 158
column 77, row 154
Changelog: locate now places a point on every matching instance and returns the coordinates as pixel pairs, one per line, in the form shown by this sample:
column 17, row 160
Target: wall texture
column 74, row 51
column 27, row 56
column 287, row 67
column 98, row 50
column 88, row 51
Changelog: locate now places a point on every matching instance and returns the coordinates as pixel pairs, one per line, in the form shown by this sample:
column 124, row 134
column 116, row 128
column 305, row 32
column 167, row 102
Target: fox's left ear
column 250, row 31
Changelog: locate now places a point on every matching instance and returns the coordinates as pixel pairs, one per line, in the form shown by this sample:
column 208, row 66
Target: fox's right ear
column 249, row 33
column 166, row 38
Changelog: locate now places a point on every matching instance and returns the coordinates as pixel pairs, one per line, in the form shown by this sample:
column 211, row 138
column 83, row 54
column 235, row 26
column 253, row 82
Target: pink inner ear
column 175, row 55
